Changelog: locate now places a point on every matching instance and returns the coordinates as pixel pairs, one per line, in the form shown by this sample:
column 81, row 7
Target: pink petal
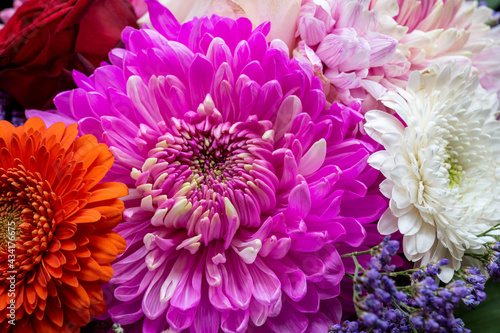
column 282, row 323
column 266, row 286
column 235, row 321
column 207, row 318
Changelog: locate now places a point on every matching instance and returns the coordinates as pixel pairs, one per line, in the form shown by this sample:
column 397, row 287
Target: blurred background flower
column 362, row 49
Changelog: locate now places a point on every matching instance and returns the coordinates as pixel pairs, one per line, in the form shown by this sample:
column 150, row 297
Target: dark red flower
column 46, row 39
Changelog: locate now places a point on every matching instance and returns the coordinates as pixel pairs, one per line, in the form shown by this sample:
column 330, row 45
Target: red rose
column 46, row 39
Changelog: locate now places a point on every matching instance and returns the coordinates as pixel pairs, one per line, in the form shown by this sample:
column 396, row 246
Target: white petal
column 388, row 223
column 410, row 223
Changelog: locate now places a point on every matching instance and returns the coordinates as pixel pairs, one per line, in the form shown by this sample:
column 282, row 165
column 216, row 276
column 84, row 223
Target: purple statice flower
column 347, row 326
column 422, row 305
column 10, row 110
column 474, row 282
column 494, row 264
column 242, row 184
column 388, row 249
column 436, row 304
column 376, row 293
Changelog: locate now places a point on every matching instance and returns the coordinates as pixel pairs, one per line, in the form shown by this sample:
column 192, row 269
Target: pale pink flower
column 349, row 48
column 444, row 31
column 488, row 63
column 360, row 49
column 439, row 29
column 281, row 13
column 7, row 13
column 140, row 7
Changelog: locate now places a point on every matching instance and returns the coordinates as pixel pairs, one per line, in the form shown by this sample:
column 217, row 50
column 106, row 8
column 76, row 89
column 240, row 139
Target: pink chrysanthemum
column 241, row 182
column 362, row 48
column 438, row 30
column 349, row 47
column 7, row 13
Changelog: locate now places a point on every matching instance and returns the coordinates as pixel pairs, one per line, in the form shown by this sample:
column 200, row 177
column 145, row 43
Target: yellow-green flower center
column 455, row 172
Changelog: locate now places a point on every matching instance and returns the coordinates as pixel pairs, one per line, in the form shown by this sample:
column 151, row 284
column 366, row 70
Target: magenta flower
column 241, row 182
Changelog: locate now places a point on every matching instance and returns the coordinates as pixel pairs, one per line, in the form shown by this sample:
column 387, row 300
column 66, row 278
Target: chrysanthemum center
column 208, row 177
column 10, row 219
column 26, row 215
column 455, row 171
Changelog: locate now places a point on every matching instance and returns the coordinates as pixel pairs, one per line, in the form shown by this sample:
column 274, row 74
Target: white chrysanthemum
column 443, row 168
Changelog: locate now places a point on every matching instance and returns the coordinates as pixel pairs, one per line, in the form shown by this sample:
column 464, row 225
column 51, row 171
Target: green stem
column 490, row 229
column 354, row 254
column 355, row 294
column 411, row 270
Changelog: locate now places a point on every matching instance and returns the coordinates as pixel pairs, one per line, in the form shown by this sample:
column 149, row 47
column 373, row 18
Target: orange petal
column 65, row 230
column 70, row 257
column 5, row 158
column 107, row 273
column 15, row 147
column 94, row 176
column 109, row 190
column 34, row 123
column 85, row 216
column 69, row 278
column 117, row 241
column 56, row 130
column 112, row 216
column 6, row 130
column 51, row 259
column 86, row 150
column 82, row 252
column 105, row 157
column 79, row 318
column 39, row 312
column 40, row 291
column 30, row 293
column 54, row 245
column 69, row 136
column 90, row 270
column 102, row 251
column 52, row 271
column 68, row 245
column 56, row 315
column 74, row 297
column 80, row 239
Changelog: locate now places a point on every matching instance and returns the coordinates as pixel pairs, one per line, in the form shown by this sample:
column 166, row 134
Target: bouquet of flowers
column 247, row 166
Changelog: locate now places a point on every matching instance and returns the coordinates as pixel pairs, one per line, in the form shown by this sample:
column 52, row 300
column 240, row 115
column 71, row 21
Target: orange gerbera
column 56, row 242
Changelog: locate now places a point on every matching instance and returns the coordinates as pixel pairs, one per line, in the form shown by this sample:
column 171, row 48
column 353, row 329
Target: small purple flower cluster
column 376, row 307
column 386, row 250
column 10, row 110
column 494, row 265
column 474, row 282
column 433, row 305
column 423, row 307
